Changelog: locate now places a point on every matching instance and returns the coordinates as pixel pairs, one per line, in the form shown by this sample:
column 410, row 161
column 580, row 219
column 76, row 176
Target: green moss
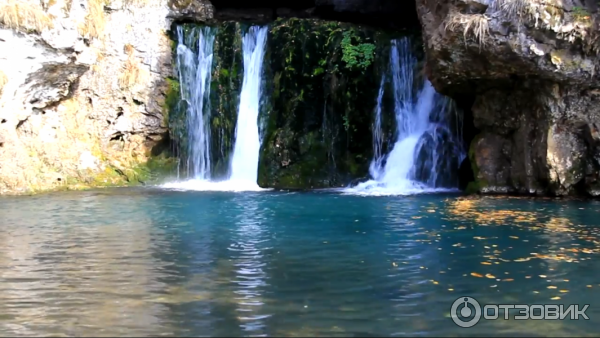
column 580, row 13
column 226, row 84
column 323, row 80
column 155, row 170
column 172, row 98
column 476, row 186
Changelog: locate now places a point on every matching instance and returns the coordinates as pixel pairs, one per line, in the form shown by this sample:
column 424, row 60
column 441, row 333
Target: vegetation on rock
column 323, row 82
column 95, row 20
column 359, row 55
column 24, row 15
column 472, row 25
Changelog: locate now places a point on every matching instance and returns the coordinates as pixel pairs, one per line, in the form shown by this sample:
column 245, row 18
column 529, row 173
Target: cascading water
column 427, row 151
column 244, row 164
column 194, row 72
column 375, row 167
column 194, row 69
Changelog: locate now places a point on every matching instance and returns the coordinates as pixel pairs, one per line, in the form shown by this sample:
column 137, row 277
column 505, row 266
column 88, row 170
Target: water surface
column 133, row 262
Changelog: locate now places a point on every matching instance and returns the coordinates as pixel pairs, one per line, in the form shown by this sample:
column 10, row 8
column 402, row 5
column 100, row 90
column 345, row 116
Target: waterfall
column 244, row 165
column 194, row 69
column 375, row 167
column 427, row 152
column 194, row 72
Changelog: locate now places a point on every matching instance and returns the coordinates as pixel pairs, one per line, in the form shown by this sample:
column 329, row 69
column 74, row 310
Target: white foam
column 401, row 188
column 205, row 185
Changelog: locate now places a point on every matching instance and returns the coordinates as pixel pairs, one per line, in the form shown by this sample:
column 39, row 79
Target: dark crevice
column 117, row 137
column 164, row 146
column 464, row 103
column 21, row 122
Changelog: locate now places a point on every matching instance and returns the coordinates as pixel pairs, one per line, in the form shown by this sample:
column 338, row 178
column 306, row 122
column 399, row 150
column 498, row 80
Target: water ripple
column 133, row 262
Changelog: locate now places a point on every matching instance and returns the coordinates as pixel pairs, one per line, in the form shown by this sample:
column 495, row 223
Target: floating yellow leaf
column 522, row 259
column 589, row 286
column 489, row 275
column 565, row 280
column 551, row 287
column 555, row 298
column 475, row 274
column 486, row 263
column 542, row 276
column 450, row 289
column 564, row 291
column 508, row 280
column 513, row 237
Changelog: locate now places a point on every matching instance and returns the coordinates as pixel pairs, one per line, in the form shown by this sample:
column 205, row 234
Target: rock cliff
column 86, row 89
column 82, row 91
column 530, row 67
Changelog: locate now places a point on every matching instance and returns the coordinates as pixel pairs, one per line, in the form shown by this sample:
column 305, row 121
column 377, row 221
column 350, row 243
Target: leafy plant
column 359, row 56
column 346, row 122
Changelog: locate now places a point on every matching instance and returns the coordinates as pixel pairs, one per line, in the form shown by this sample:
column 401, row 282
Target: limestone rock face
column 82, row 96
column 532, row 70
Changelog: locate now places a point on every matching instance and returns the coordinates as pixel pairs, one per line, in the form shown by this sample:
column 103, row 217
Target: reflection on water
column 247, row 252
column 132, row 262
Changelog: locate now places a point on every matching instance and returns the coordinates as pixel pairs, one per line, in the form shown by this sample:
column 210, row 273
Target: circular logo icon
column 465, row 312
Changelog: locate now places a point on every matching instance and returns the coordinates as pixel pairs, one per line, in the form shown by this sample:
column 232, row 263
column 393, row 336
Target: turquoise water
column 134, row 262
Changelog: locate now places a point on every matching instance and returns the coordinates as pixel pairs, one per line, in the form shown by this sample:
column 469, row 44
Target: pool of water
column 132, row 262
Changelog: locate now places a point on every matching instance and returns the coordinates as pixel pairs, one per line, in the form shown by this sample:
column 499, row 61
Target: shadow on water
column 149, row 261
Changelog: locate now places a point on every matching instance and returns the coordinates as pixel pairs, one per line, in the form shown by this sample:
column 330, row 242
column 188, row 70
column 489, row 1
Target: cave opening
column 384, row 15
column 387, row 14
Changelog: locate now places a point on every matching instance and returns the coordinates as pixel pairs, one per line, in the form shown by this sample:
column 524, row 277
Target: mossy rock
column 323, row 83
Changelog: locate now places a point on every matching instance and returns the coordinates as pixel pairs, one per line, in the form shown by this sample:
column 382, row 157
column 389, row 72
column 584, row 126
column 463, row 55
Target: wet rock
column 566, row 159
column 532, row 73
column 191, row 10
